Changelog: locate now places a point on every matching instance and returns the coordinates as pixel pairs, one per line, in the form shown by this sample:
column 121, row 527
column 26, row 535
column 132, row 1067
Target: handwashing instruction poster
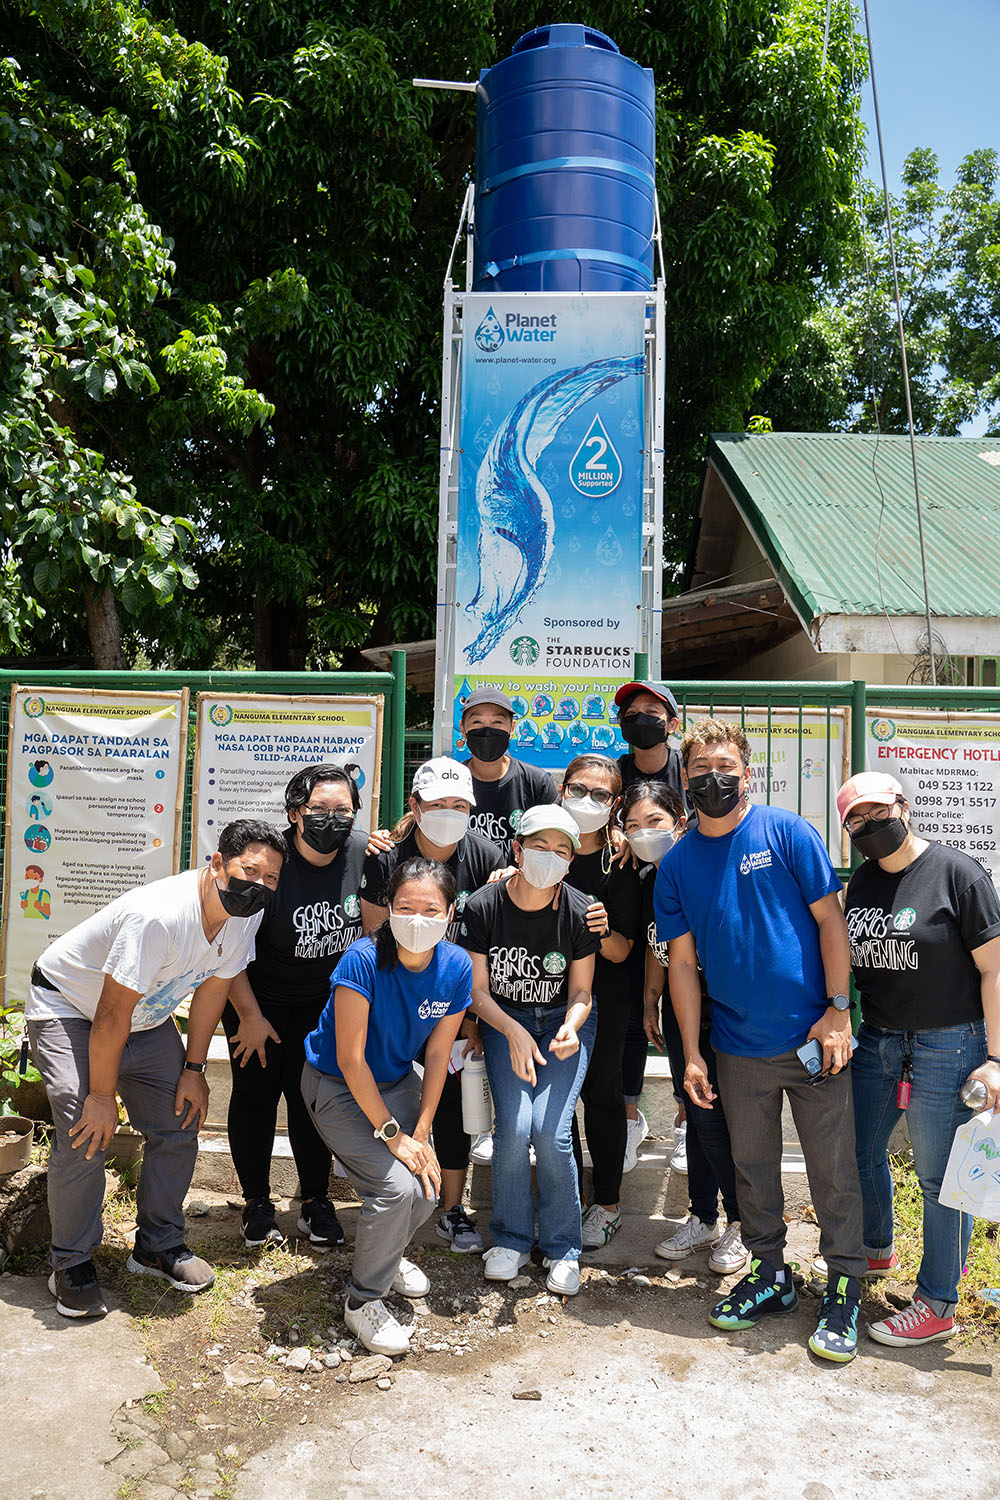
column 549, row 546
column 95, row 783
column 250, row 745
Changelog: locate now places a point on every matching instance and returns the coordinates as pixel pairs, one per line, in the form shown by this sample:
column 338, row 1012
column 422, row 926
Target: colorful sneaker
column 77, row 1292
column 729, row 1254
column 916, row 1324
column 599, row 1226
column 409, row 1280
column 637, row 1131
column 259, row 1224
column 758, row 1293
column 179, row 1265
column 692, row 1235
column 376, row 1327
column 318, row 1219
column 563, row 1278
column 836, row 1335
column 882, row 1267
column 456, row 1227
column 679, row 1155
column 503, row 1264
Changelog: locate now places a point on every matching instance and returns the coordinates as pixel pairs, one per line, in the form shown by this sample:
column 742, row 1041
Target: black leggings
column 711, row 1173
column 603, row 1101
column 253, row 1104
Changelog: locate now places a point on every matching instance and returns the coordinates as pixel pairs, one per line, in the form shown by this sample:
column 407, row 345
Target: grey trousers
column 393, row 1204
column 752, row 1089
column 147, row 1081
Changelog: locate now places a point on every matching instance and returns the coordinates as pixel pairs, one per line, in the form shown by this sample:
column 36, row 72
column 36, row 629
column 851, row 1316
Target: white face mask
column 651, row 844
column 542, row 869
column 444, row 825
column 415, row 933
column 587, row 814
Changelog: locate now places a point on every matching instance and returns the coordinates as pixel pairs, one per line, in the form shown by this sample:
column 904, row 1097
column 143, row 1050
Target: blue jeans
column 941, row 1061
column 542, row 1117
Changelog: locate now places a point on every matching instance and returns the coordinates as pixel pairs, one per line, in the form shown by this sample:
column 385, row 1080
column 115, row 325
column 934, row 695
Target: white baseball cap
column 443, row 777
column 549, row 818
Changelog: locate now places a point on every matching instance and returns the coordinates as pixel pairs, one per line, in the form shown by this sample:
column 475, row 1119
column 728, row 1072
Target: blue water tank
column 565, row 175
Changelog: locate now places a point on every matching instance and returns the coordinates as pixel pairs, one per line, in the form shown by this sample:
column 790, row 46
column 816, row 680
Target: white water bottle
column 477, row 1101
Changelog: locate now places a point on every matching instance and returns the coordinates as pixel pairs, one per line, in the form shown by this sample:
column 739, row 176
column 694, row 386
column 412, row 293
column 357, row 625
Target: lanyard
column 904, row 1087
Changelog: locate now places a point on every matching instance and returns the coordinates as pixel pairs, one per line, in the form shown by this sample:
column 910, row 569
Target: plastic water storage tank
column 565, row 142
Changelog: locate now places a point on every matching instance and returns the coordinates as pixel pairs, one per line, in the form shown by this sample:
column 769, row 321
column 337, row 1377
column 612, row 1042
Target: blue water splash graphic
column 516, row 521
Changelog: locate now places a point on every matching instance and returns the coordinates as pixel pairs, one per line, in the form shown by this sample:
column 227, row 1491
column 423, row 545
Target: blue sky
column 936, row 69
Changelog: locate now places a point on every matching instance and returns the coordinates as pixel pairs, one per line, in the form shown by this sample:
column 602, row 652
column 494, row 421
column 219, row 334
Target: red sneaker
column 916, row 1324
column 880, row 1268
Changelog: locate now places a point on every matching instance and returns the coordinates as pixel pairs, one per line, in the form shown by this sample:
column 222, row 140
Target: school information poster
column 248, row 747
column 95, row 782
column 549, row 543
column 949, row 768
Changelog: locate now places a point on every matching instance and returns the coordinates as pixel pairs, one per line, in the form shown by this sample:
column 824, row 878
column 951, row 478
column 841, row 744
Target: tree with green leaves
column 288, row 201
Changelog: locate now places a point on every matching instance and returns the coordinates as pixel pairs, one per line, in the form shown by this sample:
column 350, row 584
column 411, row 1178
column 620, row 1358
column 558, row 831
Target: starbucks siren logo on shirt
column 554, row 963
column 352, row 907
column 904, row 919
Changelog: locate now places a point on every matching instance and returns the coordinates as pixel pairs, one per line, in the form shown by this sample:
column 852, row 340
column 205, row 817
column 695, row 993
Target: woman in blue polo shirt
column 390, row 994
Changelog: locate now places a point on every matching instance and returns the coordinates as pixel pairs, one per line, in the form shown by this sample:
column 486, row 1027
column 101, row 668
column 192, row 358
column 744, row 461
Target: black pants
column 604, row 1102
column 709, row 1153
column 253, row 1105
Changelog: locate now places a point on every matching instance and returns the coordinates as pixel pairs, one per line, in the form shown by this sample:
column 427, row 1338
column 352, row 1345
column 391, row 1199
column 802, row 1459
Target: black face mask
column 715, row 794
column 325, row 832
column 488, row 744
column 878, row 838
column 643, row 731
column 243, row 898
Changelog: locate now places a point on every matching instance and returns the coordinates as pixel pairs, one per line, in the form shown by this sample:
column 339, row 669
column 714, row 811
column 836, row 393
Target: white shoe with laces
column 599, row 1226
column 563, row 1278
column 409, row 1280
column 729, row 1253
column 481, row 1153
column 637, row 1131
column 503, row 1264
column 692, row 1235
column 377, row 1329
column 679, row 1155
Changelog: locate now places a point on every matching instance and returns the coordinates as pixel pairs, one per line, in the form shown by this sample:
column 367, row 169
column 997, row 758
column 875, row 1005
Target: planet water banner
column 549, row 530
column 249, row 746
column 95, row 786
column 795, row 763
column 949, row 768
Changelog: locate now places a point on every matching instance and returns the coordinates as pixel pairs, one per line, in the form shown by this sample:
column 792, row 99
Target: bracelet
column 193, row 1067
column 991, row 1058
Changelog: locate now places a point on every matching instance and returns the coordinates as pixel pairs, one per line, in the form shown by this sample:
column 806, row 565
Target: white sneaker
column 729, row 1253
column 691, row 1236
column 409, row 1280
column 599, row 1226
column 637, row 1132
column 503, row 1264
column 377, row 1329
column 563, row 1277
column 481, row 1154
column 679, row 1155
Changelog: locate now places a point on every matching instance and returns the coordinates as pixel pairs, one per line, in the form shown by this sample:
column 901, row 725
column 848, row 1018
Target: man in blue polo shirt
column 752, row 893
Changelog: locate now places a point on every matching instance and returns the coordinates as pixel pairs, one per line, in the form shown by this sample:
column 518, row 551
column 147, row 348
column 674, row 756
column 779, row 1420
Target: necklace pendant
column 219, row 950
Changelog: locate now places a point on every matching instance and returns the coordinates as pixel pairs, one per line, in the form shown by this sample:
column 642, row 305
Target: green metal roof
column 822, row 504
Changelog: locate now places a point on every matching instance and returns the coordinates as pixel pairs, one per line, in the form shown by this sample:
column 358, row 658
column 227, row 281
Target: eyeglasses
column 880, row 813
column 599, row 794
column 317, row 811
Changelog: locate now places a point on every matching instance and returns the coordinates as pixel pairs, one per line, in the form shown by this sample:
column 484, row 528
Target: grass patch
column 983, row 1261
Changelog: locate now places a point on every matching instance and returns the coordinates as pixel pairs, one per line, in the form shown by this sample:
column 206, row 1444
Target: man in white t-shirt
column 99, row 1013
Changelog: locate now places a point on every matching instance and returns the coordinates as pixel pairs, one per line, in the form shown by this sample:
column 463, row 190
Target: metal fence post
column 859, row 734
column 641, row 668
column 397, row 729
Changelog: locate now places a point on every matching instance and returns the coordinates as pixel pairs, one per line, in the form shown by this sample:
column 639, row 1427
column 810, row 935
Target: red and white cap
column 868, row 786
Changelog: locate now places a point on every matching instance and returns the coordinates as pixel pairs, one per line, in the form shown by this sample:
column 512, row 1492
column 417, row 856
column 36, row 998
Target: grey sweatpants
column 393, row 1204
column 752, row 1090
column 147, row 1081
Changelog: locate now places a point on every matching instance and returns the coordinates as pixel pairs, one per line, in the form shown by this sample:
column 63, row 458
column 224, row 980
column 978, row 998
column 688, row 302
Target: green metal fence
column 391, row 684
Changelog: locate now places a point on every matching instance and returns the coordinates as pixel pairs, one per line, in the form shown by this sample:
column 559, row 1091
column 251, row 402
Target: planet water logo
column 595, row 468
column 904, row 919
column 489, row 335
column 883, row 730
column 554, row 963
column 524, row 649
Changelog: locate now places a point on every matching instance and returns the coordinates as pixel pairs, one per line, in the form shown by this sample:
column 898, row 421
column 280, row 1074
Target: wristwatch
column 191, row 1067
column 389, row 1131
column 839, row 1002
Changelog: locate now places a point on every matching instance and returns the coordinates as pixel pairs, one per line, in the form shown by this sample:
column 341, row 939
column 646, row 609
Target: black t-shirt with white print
column 601, row 878
column 472, row 864
column 314, row 918
column 660, row 951
column 912, row 934
column 528, row 953
column 499, row 804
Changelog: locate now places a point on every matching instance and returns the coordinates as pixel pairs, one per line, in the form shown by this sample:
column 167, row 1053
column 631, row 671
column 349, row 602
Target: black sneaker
column 318, row 1219
column 458, row 1229
column 836, row 1335
column 179, row 1265
column 757, row 1293
column 77, row 1293
column 259, row 1224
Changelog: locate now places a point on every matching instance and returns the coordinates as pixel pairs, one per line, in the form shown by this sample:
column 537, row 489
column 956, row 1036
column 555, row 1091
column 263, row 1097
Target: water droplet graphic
column 574, row 544
column 630, row 423
column 493, row 386
column 555, row 571
column 489, row 335
column 484, row 435
column 586, row 579
column 628, row 509
column 549, row 476
column 609, row 550
column 595, row 468
column 568, row 510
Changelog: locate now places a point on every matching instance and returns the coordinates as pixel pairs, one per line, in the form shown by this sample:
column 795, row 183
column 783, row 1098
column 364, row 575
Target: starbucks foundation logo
column 352, row 907
column 524, row 650
column 554, row 963
column 904, row 919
